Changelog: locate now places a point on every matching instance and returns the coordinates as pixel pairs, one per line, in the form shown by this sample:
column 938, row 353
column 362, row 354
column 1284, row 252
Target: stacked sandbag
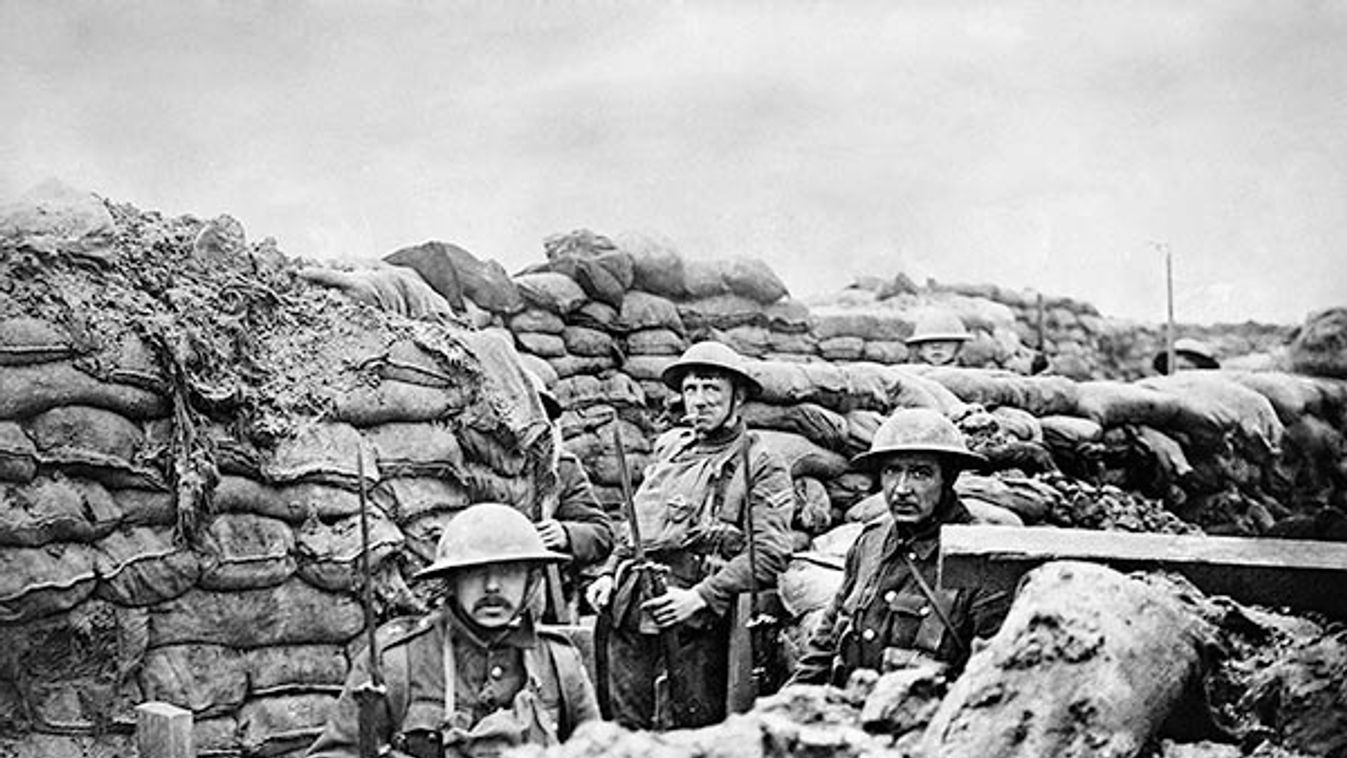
column 185, row 428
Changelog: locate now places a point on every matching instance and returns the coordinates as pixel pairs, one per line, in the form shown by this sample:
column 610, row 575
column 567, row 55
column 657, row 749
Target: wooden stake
column 163, row 730
column 1169, row 296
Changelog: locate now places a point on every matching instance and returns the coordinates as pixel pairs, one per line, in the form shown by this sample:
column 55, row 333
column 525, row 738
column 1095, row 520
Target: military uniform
column 690, row 511
column 521, row 685
column 881, row 607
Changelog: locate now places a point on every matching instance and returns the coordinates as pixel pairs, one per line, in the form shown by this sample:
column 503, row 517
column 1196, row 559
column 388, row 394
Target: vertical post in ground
column 163, row 731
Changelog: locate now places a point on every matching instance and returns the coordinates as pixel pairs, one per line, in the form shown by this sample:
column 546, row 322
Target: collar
column 924, row 540
column 520, row 633
column 720, row 438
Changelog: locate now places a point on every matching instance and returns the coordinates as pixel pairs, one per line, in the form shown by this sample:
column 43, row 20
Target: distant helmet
column 551, row 405
column 938, row 326
column 713, row 355
column 917, row 430
column 1196, row 351
column 488, row 533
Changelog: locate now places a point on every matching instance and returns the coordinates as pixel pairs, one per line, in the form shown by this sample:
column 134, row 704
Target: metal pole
column 1169, row 326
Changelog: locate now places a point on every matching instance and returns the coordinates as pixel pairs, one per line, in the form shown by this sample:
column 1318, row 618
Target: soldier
column 690, row 510
column 1188, row 354
column 574, row 521
column 937, row 338
column 888, row 612
column 510, row 683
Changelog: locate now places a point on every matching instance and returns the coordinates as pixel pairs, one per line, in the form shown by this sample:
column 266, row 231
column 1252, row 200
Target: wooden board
column 1299, row 574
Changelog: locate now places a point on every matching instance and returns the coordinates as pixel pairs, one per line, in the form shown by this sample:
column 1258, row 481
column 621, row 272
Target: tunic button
column 912, row 556
column 890, row 596
column 868, row 634
column 497, row 672
column 925, row 610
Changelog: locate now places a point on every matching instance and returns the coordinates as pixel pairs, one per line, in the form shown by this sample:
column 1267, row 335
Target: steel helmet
column 1196, row 351
column 551, row 405
column 938, row 326
column 917, row 430
column 488, row 533
column 713, row 355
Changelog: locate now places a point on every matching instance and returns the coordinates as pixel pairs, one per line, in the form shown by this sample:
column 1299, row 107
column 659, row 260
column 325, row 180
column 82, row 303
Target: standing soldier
column 1188, row 354
column 889, row 611
column 573, row 521
column 690, row 511
column 937, row 338
column 509, row 683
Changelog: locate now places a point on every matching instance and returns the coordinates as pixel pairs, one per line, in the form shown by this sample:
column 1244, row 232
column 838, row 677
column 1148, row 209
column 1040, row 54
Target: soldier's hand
column 553, row 534
column 675, row 606
column 600, row 592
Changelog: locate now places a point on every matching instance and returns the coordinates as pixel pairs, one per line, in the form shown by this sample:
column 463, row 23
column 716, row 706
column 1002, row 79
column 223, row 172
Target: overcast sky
column 1025, row 144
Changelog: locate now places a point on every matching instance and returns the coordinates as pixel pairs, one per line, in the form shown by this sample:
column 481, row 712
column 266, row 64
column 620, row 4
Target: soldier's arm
column 588, row 529
column 341, row 733
column 815, row 664
column 772, row 498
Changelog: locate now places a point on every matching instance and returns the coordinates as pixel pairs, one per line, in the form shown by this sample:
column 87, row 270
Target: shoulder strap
column 726, row 477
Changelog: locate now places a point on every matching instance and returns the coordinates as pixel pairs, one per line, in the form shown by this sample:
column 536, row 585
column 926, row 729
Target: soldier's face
column 710, row 401
column 938, row 353
column 491, row 595
column 912, row 483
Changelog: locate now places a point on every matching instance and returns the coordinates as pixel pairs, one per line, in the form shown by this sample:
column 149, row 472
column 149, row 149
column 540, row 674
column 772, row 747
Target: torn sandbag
column 405, row 498
column 455, row 272
column 330, row 555
column 408, row 449
column 321, row 453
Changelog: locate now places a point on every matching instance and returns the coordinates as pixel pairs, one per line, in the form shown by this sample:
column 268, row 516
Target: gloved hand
column 600, row 592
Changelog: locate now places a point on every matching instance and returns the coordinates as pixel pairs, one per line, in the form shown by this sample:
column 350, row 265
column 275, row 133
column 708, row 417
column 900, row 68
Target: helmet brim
column 673, row 376
column 946, row 337
column 440, row 568
column 964, row 459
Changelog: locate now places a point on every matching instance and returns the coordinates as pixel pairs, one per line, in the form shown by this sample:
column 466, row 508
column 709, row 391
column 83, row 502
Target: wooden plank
column 163, row 730
column 739, row 689
column 1298, row 574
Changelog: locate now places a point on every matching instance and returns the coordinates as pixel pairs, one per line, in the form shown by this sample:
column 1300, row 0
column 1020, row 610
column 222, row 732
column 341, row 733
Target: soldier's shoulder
column 404, row 629
column 877, row 524
column 672, row 440
column 558, row 636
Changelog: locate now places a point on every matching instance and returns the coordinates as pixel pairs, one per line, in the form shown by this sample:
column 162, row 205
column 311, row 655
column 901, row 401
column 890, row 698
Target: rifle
column 762, row 626
column 669, row 689
column 370, row 697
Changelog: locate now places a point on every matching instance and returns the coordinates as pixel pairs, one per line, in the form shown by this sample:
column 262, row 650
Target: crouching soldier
column 691, row 510
column 889, row 612
column 474, row 677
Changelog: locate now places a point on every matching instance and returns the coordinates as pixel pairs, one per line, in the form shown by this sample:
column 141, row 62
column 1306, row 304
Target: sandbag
column 18, row 456
column 454, row 272
column 505, row 404
column 787, row 316
column 1207, row 398
column 329, row 555
column 983, row 512
column 242, row 551
column 802, row 457
column 648, row 367
column 396, row 401
column 25, row 341
column 539, row 367
column 406, row 449
column 541, row 345
column 290, row 613
column 1292, row 396
column 485, row 485
column 1019, row 423
column 814, row 422
column 139, row 566
column 407, row 361
column 596, row 315
column 536, row 320
column 604, row 469
column 861, row 428
column 655, row 342
column 1320, row 345
column 838, row 540
column 871, row 324
column 146, row 507
column 790, row 383
column 553, row 292
column 749, row 341
column 783, row 342
column 656, row 265
column 604, row 274
column 208, row 680
column 93, row 442
column 720, row 312
column 55, row 509
column 884, row 351
column 1039, row 395
column 292, row 504
column 642, row 310
column 842, row 348
column 809, row 582
column 845, row 490
column 39, row 581
column 1030, row 499
column 570, row 365
column 1069, row 431
column 405, row 498
column 581, row 340
column 503, row 458
column 583, row 391
column 29, row 390
column 295, row 668
column 813, row 511
column 745, row 277
column 867, row 508
column 321, row 453
column 270, row 726
column 215, row 737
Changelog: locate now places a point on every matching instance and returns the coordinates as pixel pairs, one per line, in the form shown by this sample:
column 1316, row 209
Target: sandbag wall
column 184, row 430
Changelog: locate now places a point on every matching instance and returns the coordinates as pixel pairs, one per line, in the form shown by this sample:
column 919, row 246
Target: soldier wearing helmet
column 937, row 338
column 509, row 683
column 573, row 521
column 690, row 509
column 890, row 611
column 1188, row 354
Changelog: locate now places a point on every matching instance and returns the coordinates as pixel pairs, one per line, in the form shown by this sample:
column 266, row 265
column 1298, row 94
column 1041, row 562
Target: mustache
column 492, row 601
